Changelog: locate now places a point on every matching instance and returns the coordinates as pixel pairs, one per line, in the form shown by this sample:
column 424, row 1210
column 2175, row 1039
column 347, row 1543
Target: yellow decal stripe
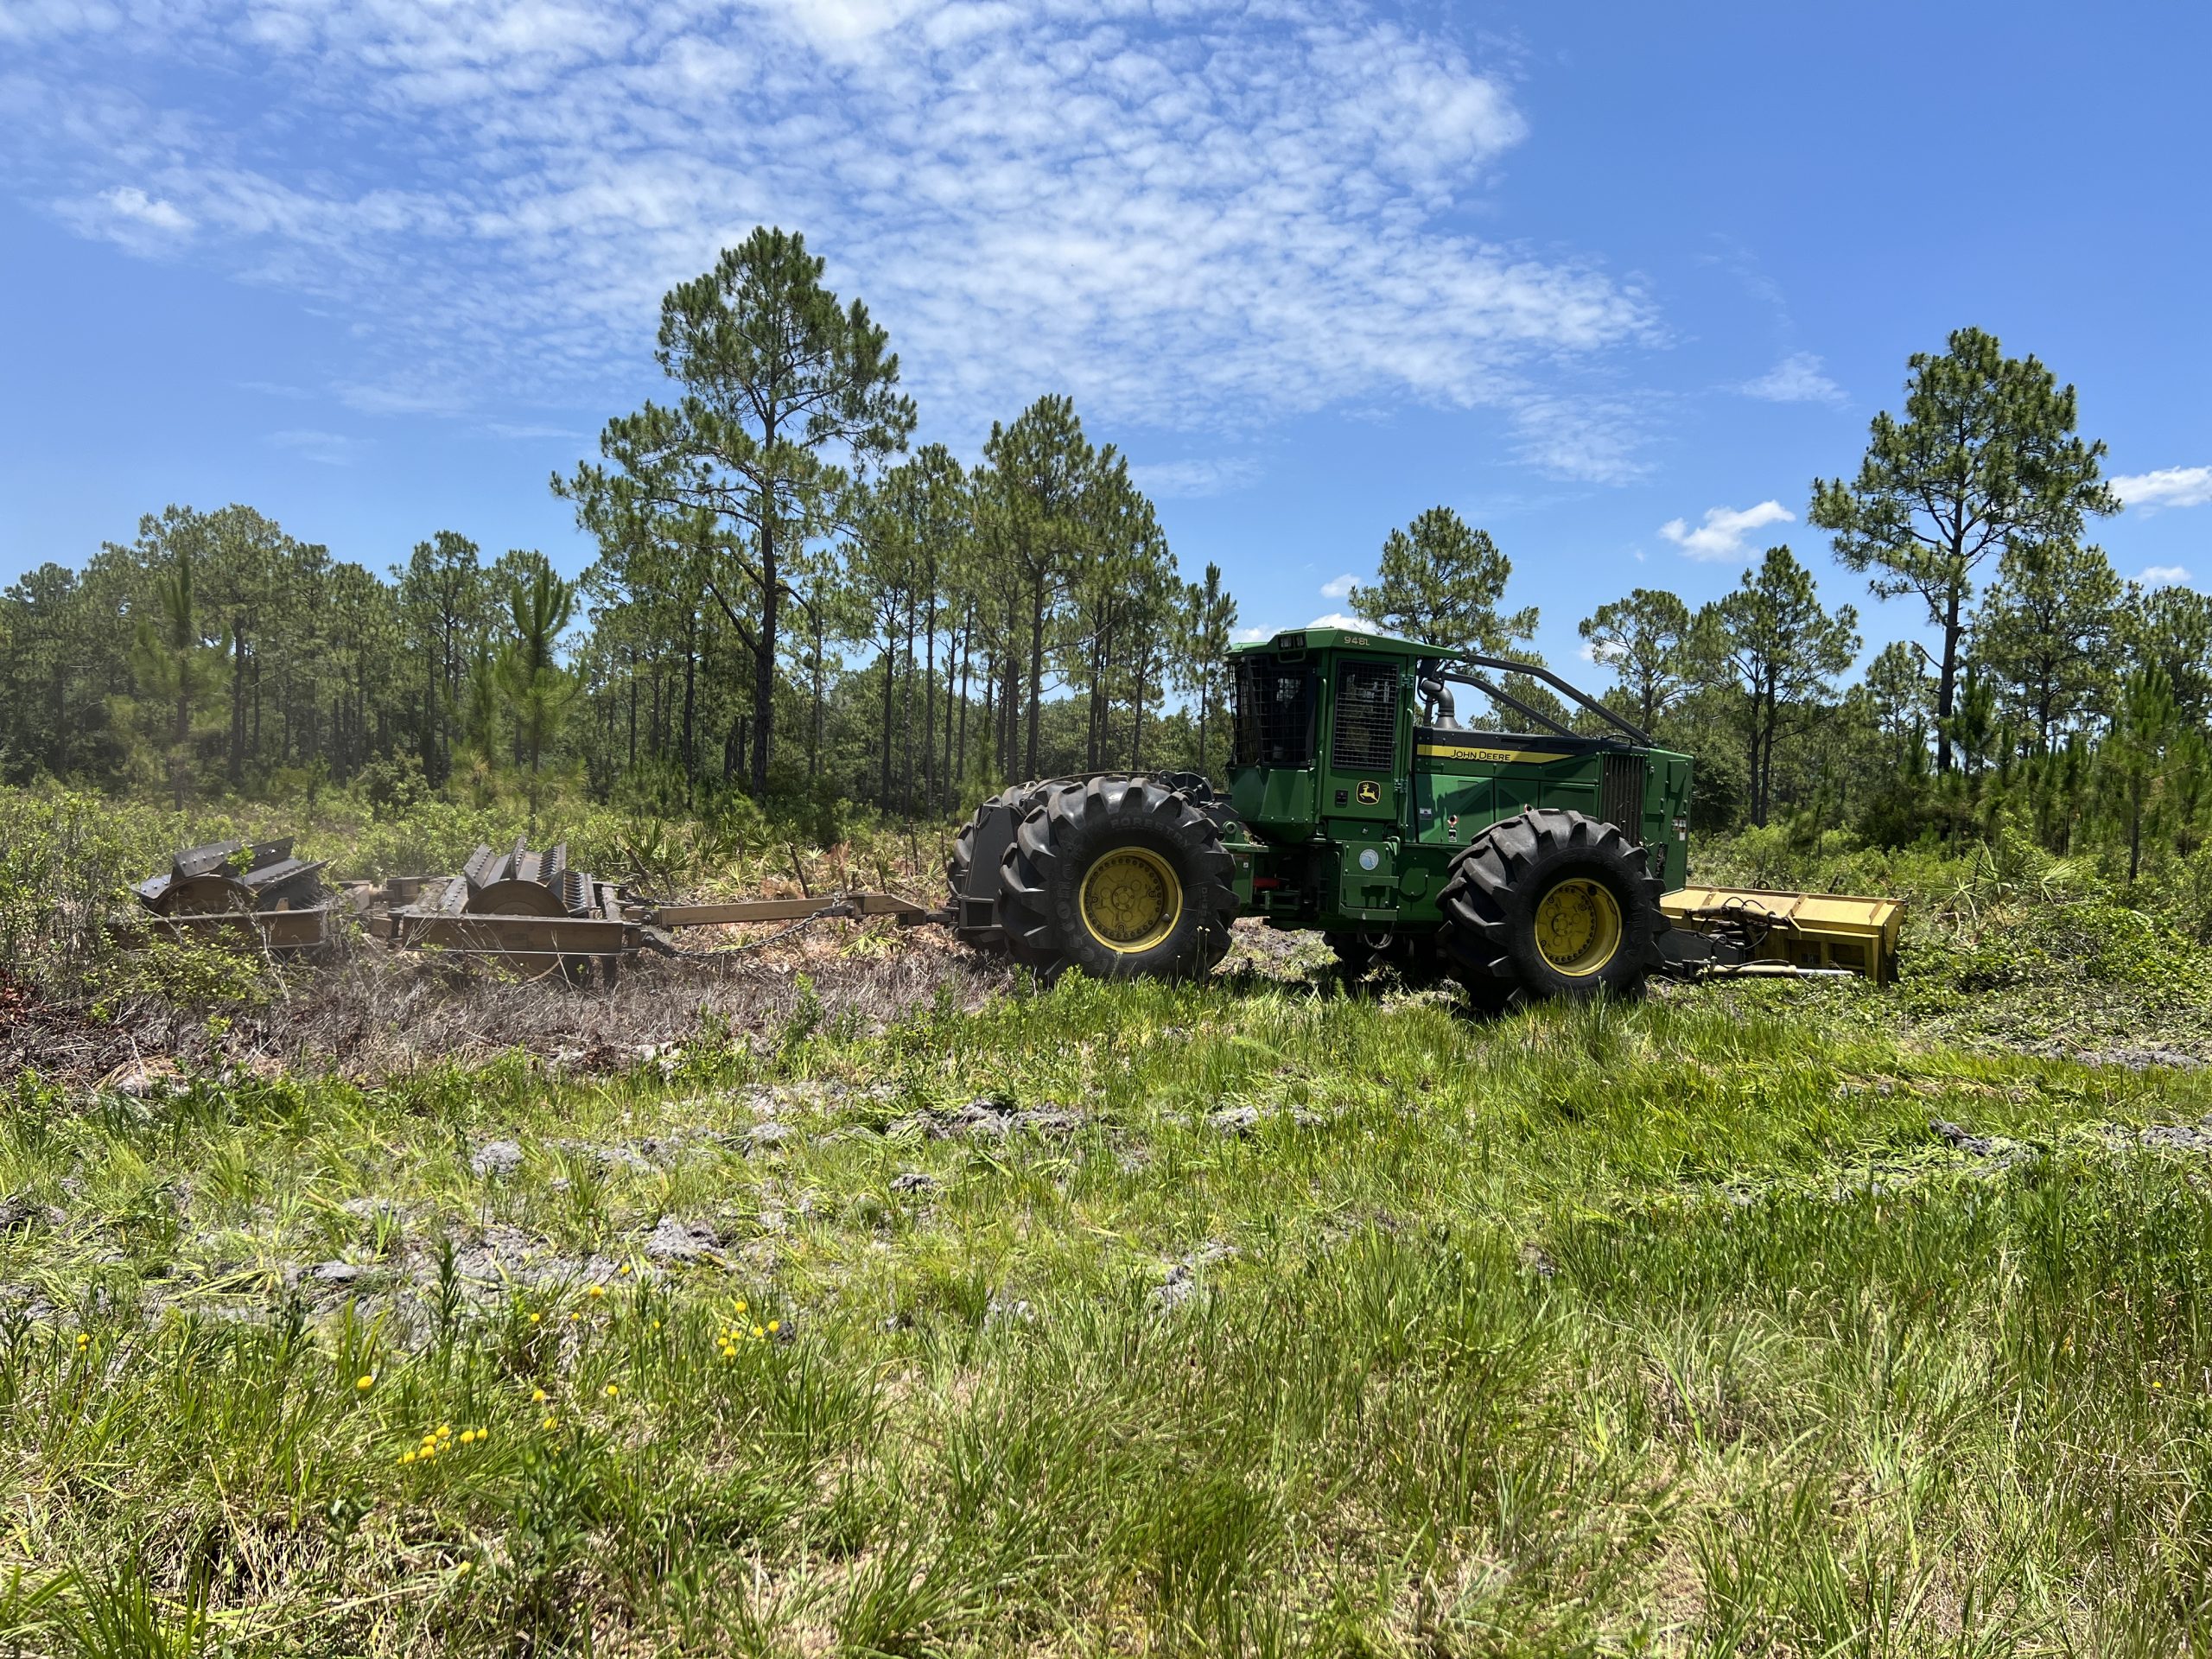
column 1468, row 751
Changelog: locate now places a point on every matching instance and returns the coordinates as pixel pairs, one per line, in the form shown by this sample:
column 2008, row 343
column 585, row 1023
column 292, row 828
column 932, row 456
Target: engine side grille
column 1365, row 737
column 1620, row 793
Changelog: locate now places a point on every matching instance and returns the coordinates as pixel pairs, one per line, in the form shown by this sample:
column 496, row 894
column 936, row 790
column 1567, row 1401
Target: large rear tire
column 1020, row 800
column 1551, row 905
column 1124, row 878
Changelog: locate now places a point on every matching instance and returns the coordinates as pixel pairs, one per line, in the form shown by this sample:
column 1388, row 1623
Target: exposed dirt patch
column 377, row 1014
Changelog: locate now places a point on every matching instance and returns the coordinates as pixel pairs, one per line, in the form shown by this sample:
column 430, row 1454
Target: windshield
column 1275, row 714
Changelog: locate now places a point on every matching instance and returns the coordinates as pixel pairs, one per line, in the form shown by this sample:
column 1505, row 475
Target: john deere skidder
column 1533, row 864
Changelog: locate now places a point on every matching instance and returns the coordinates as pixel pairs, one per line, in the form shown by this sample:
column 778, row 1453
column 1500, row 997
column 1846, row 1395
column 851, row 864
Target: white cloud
column 503, row 430
column 2170, row 486
column 1201, row 215
column 1591, row 438
column 1173, row 479
column 1338, row 587
column 2162, row 576
column 1253, row 636
column 1338, row 619
column 127, row 217
column 1796, row 380
column 325, row 448
column 405, row 397
column 1721, row 534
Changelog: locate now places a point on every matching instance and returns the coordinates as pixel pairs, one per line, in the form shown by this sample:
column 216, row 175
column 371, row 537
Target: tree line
column 788, row 603
column 2049, row 691
column 794, row 602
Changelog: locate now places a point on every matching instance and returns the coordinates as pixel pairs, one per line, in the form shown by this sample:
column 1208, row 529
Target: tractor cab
column 1348, row 738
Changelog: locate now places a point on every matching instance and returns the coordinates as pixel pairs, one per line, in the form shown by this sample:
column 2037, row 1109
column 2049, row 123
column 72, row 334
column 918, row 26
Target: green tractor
column 1528, row 864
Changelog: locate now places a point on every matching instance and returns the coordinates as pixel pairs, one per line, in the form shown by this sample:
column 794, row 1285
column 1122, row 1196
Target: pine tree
column 1440, row 582
column 779, row 384
column 1644, row 639
column 535, row 688
column 1782, row 649
column 2046, row 632
column 1986, row 459
column 174, row 663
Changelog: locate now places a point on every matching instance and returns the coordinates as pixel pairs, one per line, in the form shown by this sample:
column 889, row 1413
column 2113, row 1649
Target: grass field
column 1271, row 1316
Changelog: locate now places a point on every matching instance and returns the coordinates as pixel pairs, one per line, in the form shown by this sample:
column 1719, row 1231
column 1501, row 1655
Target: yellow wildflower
column 758, row 1332
column 596, row 1290
column 612, row 1392
column 534, row 1318
column 775, row 1325
column 549, row 1423
column 537, row 1396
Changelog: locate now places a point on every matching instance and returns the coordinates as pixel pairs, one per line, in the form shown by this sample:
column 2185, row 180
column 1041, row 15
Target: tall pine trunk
column 931, row 786
column 234, row 768
column 764, row 667
column 1036, row 672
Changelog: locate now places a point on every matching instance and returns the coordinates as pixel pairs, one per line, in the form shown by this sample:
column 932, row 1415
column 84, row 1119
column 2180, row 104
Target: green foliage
column 1440, row 582
column 1602, row 1330
column 1986, row 461
column 2047, row 632
column 175, row 665
column 1205, row 625
column 1773, row 638
column 779, row 383
column 1646, row 640
column 536, row 689
column 773, row 615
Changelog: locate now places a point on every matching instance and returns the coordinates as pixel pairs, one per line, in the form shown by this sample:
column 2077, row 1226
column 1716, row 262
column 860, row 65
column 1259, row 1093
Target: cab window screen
column 1274, row 714
column 1365, row 735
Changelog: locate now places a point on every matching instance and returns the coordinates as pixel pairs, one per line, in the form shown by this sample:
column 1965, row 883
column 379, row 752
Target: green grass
column 1667, row 1328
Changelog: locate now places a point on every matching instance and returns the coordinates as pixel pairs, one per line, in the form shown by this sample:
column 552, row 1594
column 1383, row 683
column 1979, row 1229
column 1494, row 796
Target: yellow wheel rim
column 1130, row 900
column 1578, row 927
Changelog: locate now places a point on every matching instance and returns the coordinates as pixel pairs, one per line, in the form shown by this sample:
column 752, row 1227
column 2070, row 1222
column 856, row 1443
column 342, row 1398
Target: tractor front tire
column 1122, row 877
column 1551, row 903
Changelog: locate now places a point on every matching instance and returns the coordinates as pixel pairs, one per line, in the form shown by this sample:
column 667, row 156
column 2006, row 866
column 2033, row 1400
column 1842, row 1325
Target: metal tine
column 556, row 862
column 268, row 852
column 202, row 861
column 283, row 873
column 528, row 865
column 575, row 890
column 483, row 866
column 514, row 859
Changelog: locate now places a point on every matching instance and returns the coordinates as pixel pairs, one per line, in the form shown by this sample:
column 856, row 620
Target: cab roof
column 1329, row 638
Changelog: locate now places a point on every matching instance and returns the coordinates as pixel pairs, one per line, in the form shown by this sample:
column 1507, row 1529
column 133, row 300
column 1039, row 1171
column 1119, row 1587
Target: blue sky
column 1616, row 281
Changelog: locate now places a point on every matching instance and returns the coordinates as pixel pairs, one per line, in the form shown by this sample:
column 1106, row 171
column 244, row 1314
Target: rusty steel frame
column 538, row 909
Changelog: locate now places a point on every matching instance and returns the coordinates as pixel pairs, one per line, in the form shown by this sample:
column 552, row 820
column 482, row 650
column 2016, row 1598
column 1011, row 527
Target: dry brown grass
column 378, row 1014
